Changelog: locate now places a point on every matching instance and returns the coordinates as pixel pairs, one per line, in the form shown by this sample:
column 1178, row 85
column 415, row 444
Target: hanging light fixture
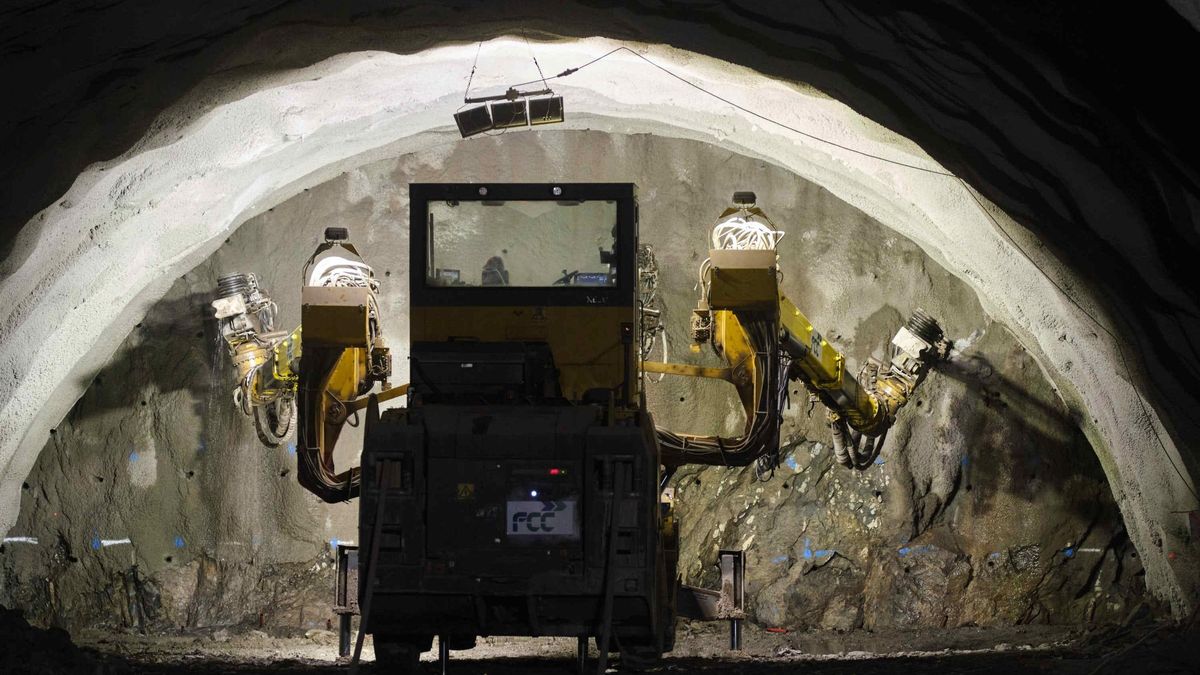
column 509, row 110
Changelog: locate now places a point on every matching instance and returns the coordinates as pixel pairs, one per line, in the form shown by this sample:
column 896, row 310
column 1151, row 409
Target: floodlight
column 546, row 110
column 473, row 121
column 509, row 114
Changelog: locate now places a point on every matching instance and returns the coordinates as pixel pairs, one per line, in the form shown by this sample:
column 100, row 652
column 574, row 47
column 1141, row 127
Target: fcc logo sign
column 545, row 519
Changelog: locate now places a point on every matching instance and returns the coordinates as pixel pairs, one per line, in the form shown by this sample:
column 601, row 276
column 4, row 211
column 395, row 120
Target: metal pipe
column 510, row 95
column 735, row 634
column 344, row 635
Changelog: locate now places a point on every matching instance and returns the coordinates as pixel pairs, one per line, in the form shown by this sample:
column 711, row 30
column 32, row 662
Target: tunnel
column 1015, row 171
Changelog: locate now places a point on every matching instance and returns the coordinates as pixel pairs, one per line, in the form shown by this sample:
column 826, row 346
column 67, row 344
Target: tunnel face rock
column 988, row 505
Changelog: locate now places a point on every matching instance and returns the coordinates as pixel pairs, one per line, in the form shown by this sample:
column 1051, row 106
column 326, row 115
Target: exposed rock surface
column 986, row 508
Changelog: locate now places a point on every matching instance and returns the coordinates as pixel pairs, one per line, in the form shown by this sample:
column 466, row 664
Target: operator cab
column 543, row 271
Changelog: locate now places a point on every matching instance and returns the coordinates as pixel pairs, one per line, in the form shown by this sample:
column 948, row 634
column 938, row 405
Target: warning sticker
column 466, row 491
column 546, row 519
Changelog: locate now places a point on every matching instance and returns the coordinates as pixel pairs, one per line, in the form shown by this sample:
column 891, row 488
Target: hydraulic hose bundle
column 762, row 434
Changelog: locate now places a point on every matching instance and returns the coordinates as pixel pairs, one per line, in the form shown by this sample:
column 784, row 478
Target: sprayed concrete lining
column 129, row 227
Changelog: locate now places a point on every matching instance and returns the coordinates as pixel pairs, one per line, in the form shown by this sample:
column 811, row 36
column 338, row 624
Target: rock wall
column 988, row 505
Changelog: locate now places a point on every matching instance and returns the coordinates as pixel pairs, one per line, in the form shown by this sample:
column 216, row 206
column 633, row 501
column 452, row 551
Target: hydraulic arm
column 343, row 356
column 767, row 342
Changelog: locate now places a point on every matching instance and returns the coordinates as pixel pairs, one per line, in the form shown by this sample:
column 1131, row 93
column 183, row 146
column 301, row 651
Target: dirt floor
column 1149, row 648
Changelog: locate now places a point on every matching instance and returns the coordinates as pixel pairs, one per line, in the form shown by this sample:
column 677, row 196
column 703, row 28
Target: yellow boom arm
column 326, row 382
column 766, row 341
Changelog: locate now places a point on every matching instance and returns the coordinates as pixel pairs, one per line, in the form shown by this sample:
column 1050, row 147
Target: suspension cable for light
column 513, row 108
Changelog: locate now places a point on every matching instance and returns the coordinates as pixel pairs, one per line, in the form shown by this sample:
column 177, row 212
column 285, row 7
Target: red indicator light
column 555, row 472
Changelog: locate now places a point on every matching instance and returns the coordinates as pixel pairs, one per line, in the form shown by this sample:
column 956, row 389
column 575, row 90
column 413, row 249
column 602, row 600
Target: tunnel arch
column 165, row 205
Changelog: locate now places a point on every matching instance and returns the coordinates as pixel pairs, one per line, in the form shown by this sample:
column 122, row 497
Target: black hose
column 851, row 448
column 924, row 326
column 232, row 284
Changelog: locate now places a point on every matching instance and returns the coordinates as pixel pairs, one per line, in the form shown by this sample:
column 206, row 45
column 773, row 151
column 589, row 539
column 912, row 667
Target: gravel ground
column 700, row 649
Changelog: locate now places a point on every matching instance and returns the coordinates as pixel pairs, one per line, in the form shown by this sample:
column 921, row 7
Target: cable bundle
column 334, row 270
column 338, row 271
column 745, row 234
column 762, row 438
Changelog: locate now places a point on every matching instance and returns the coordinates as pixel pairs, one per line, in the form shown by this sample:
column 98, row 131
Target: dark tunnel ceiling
column 988, row 89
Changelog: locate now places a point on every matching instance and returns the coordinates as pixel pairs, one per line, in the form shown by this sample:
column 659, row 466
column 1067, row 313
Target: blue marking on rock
column 1069, row 552
column 808, row 554
column 95, row 543
column 880, row 460
column 791, row 462
column 179, row 543
column 291, row 448
column 134, row 456
column 779, row 559
column 333, row 543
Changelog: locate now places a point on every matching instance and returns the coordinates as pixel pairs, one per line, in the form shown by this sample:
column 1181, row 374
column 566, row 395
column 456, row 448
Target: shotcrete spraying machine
column 522, row 488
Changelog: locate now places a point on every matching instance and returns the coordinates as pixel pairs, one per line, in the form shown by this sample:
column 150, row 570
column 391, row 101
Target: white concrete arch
column 127, row 228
